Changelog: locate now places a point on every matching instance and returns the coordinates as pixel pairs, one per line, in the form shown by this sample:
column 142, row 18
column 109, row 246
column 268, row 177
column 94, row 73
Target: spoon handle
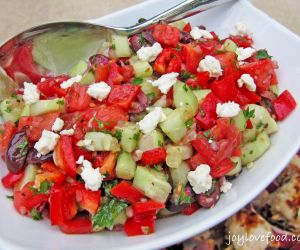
column 185, row 9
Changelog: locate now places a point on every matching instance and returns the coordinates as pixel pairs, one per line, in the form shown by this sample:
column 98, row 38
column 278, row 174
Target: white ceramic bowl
column 18, row 232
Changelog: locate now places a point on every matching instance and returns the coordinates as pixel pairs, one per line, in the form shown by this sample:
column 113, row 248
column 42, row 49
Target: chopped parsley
column 251, row 152
column 185, row 88
column 183, row 197
column 185, row 75
column 262, row 54
column 151, row 95
column 108, row 185
column 45, row 187
column 206, row 134
column 189, row 123
column 157, row 168
column 10, row 197
column 160, row 143
column 248, row 113
column 137, row 81
column 113, row 46
column 23, row 147
column 35, row 214
column 259, row 125
column 142, row 20
column 136, row 136
column 60, row 102
column 118, row 134
column 8, row 110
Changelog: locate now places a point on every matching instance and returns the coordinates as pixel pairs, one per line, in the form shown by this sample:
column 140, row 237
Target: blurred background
column 17, row 15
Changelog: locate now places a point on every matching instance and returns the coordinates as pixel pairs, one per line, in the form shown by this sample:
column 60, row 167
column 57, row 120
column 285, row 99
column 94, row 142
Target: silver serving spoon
column 61, row 45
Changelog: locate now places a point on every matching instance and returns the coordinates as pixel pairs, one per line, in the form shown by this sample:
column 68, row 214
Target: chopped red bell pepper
column 78, row 225
column 77, row 98
column 148, row 206
column 245, row 96
column 168, row 61
column 146, row 216
column 7, row 130
column 166, row 35
column 133, row 228
column 126, row 191
column 69, row 203
column 9, row 180
column 123, row 95
column 192, row 208
column 222, row 168
column 89, row 200
column 225, row 88
column 55, row 204
column 153, row 156
column 283, row 105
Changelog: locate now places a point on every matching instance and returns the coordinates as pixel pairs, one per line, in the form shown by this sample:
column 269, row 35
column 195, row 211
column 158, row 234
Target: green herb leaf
column 108, row 185
column 160, row 143
column 189, row 123
column 113, row 46
column 183, row 197
column 8, row 110
column 141, row 20
column 118, row 134
column 45, row 187
column 262, row 54
column 185, row 88
column 248, row 113
column 35, row 214
column 157, row 168
column 151, row 95
column 136, row 136
column 185, row 75
column 137, row 81
column 60, row 102
column 23, row 147
column 10, row 197
column 107, row 214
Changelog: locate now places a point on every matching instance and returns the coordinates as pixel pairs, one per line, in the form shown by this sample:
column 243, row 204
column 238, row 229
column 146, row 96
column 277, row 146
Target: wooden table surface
column 17, row 15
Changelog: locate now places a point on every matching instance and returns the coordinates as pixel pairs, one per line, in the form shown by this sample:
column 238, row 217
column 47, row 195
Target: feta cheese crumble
column 57, row 125
column 99, row 90
column 248, row 81
column 165, row 82
column 80, row 160
column 226, row 186
column 198, row 33
column 86, row 143
column 91, row 176
column 200, row 179
column 150, row 121
column 228, row 109
column 244, row 53
column 67, row 132
column 149, row 54
column 241, row 29
column 31, row 93
column 211, row 65
column 47, row 142
column 68, row 83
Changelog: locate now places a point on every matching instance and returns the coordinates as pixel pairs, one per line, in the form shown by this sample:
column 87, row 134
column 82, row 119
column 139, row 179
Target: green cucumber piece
column 154, row 139
column 26, row 110
column 240, row 121
column 11, row 108
column 230, row 45
column 250, row 134
column 149, row 90
column 237, row 161
column 201, row 94
column 88, row 78
column 262, row 118
column 179, row 24
column 29, row 175
column 174, row 126
column 79, row 68
column 142, row 69
column 102, row 141
column 152, row 183
column 125, row 167
column 185, row 99
column 253, row 150
column 46, row 106
column 274, row 89
column 129, row 138
column 179, row 175
column 121, row 46
column 121, row 218
column 176, row 154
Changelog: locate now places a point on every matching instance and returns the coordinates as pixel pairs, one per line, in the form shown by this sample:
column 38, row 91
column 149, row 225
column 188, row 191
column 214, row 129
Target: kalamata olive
column 17, row 151
column 140, row 105
column 98, row 59
column 34, row 158
column 143, row 39
column 185, row 37
column 209, row 200
column 175, row 205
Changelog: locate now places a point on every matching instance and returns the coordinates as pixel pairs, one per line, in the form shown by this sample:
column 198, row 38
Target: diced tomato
column 245, row 96
column 77, row 98
column 114, row 77
column 65, row 155
column 143, row 207
column 263, row 73
column 192, row 208
column 89, row 200
column 187, row 28
column 166, row 35
column 7, row 130
column 126, row 191
column 228, row 61
column 109, row 164
column 191, row 56
column 26, row 199
column 133, row 228
column 69, row 206
column 225, row 88
column 207, row 117
column 204, row 149
column 168, row 61
column 203, row 79
column 22, row 62
column 123, row 95
column 37, row 124
column 153, row 156
column 51, row 86
column 101, row 73
column 196, row 160
column 9, row 180
column 56, row 204
column 242, row 41
column 78, row 225
column 146, row 216
column 283, row 105
column 208, row 47
column 222, row 168
column 127, row 72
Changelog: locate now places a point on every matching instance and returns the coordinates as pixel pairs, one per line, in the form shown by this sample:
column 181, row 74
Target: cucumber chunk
column 237, row 161
column 129, row 137
column 179, row 175
column 121, row 218
column 240, row 121
column 274, row 89
column 184, row 98
column 253, row 150
column 11, row 108
column 102, row 142
column 46, row 106
column 250, row 134
column 125, row 167
column 29, row 175
column 26, row 110
column 179, row 24
column 149, row 90
column 151, row 140
column 152, row 183
column 174, row 126
column 201, row 94
column 230, row 45
column 142, row 69
column 79, row 68
column 176, row 154
column 121, row 46
column 87, row 78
